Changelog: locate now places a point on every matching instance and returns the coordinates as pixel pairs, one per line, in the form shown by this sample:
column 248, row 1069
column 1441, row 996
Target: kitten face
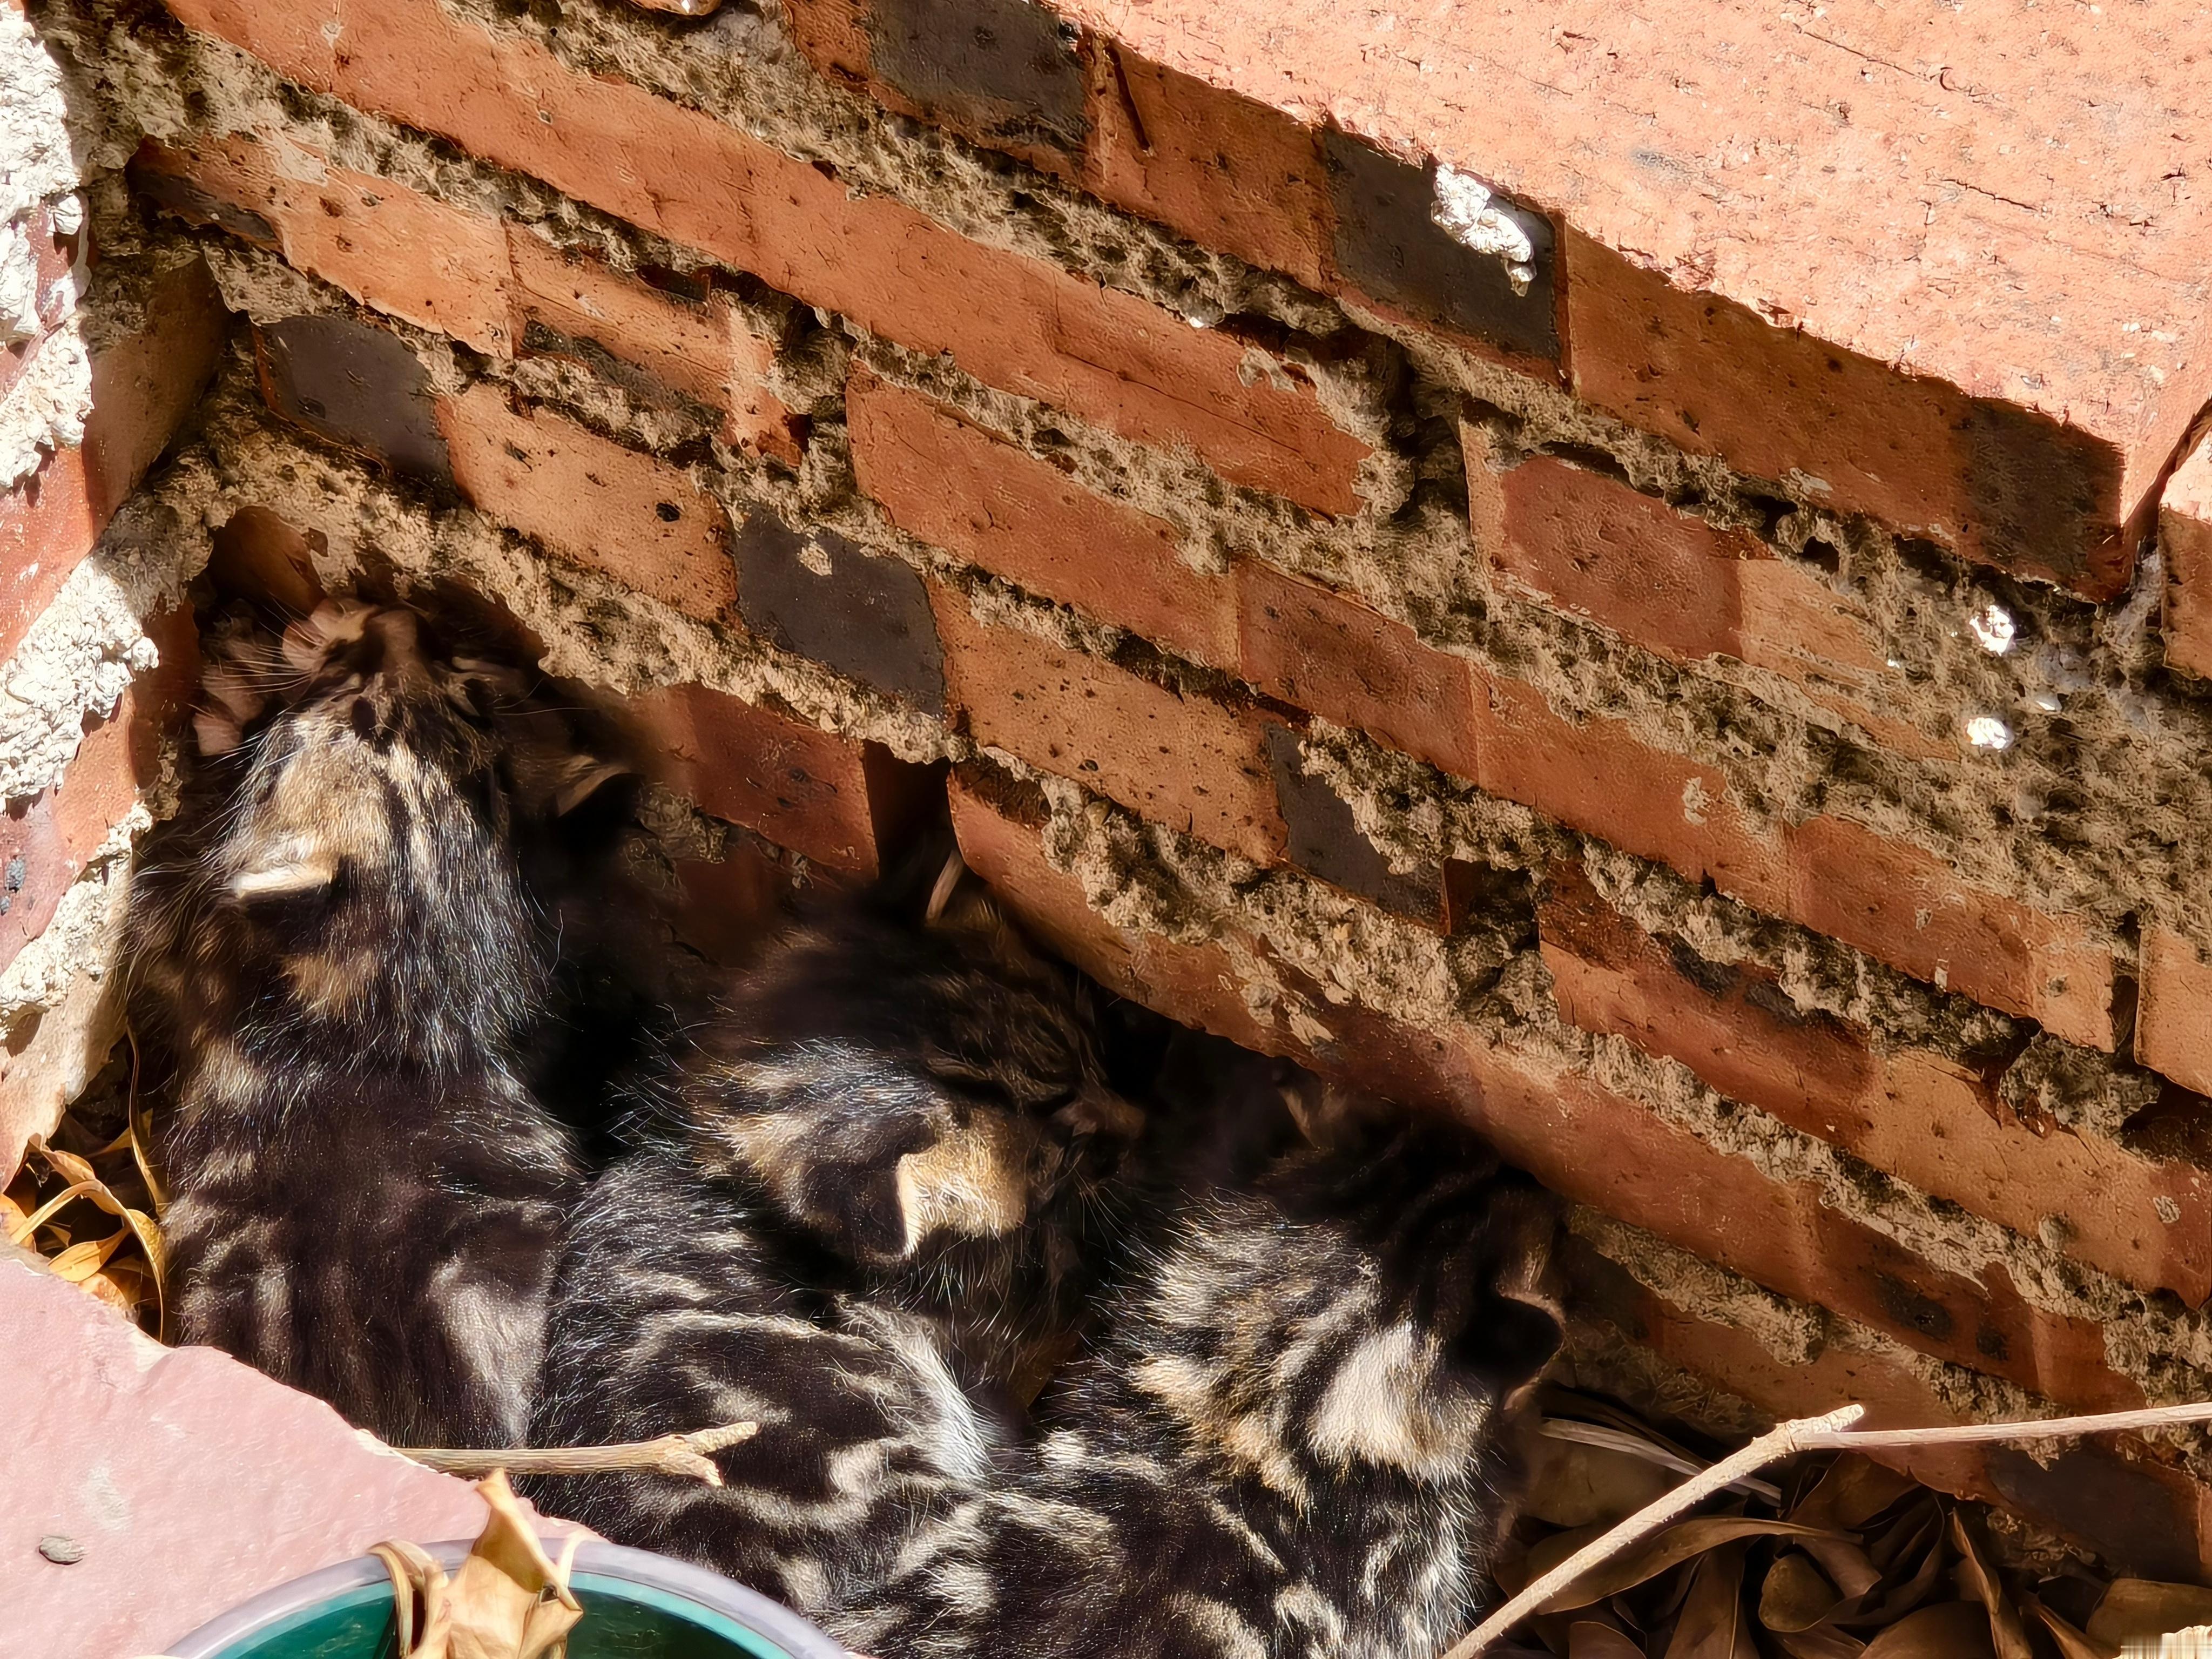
column 897, row 1091
column 369, row 786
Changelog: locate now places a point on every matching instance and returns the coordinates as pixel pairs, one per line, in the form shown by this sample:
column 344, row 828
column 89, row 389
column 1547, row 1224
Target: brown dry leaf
column 1822, row 1642
column 1852, row 1493
column 1662, row 1550
column 1713, row 1625
column 1795, row 1595
column 76, row 1170
column 2070, row 1642
column 499, row 1610
column 1574, row 1484
column 496, row 1605
column 1587, row 1639
column 2143, row 1607
column 2006, row 1634
column 1949, row 1630
column 119, row 1287
column 80, row 1261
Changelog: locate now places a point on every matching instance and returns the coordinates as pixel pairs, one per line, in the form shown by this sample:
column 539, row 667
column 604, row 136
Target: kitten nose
column 1103, row 1113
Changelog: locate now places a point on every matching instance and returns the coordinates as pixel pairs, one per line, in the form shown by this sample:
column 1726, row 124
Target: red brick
column 2161, row 1525
column 948, row 482
column 1108, row 356
column 2174, row 1019
column 1186, row 762
column 1782, row 1235
column 46, row 840
column 390, row 247
column 1599, row 777
column 1909, row 909
column 635, row 518
column 731, row 904
column 1664, row 579
column 1224, row 171
column 1196, row 983
column 1897, row 902
column 800, row 787
column 1922, row 1116
column 1994, row 482
column 706, row 349
column 2185, row 537
column 142, row 386
column 1327, row 653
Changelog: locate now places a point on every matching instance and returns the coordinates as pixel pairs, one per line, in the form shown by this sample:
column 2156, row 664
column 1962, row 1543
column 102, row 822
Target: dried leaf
column 1571, row 1484
column 141, row 1137
column 1845, row 1563
column 416, row 1577
column 1949, row 1630
column 2007, row 1635
column 69, row 1166
column 80, row 1261
column 1795, row 1595
column 1822, row 1641
column 1668, row 1548
column 1713, row 1625
column 2143, row 1607
column 2070, row 1642
column 1852, row 1493
column 497, row 1593
column 1587, row 1639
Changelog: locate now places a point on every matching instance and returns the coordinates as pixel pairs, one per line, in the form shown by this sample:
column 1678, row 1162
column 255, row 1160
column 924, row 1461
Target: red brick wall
column 1454, row 685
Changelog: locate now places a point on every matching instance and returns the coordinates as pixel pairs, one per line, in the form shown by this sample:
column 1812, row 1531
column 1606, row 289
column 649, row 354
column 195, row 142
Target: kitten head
column 348, row 855
column 904, row 1093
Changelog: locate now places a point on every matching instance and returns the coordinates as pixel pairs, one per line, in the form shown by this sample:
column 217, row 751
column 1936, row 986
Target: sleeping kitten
column 888, row 1178
column 336, row 973
column 1288, row 1444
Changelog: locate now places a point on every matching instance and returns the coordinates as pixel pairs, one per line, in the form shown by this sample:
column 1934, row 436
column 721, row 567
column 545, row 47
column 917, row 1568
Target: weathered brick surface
column 706, row 348
column 945, row 480
column 1225, row 171
column 2026, row 428
column 1592, row 546
column 1187, row 762
column 1897, row 902
column 1110, row 358
column 2174, row 1015
column 866, row 615
column 2114, row 1497
column 636, row 517
column 2185, row 537
column 144, row 386
column 436, row 266
column 1327, row 653
column 356, row 386
column 1934, row 1121
column 1323, row 838
column 46, row 839
column 800, row 787
column 1655, row 1175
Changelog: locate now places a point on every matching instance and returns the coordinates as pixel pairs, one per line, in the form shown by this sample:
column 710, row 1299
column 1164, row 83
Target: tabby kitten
column 1290, row 1441
column 336, row 972
column 888, row 1165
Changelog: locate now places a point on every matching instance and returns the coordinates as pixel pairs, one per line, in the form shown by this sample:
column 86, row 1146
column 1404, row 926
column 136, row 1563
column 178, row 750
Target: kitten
column 889, row 1173
column 1290, row 1441
column 336, row 973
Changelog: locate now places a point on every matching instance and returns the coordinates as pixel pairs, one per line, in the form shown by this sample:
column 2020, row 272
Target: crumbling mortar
column 1146, row 876
column 597, row 631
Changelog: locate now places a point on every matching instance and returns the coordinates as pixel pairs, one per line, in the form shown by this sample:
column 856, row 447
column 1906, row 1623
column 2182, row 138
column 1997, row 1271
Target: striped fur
column 887, row 1174
column 1288, row 1445
column 336, row 972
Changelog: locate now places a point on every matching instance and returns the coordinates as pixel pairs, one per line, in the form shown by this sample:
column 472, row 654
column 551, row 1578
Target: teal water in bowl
column 620, row 1621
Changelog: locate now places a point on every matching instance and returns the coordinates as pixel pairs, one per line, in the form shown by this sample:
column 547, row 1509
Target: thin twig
column 1778, row 1442
column 672, row 1453
column 1829, row 1433
column 2049, row 1428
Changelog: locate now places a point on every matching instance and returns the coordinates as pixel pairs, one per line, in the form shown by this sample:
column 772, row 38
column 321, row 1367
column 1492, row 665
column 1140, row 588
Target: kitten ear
column 578, row 778
column 1511, row 1341
column 216, row 733
column 294, row 871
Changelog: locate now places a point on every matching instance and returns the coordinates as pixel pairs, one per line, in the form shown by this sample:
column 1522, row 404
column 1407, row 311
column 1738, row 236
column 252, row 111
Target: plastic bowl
column 637, row 1605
